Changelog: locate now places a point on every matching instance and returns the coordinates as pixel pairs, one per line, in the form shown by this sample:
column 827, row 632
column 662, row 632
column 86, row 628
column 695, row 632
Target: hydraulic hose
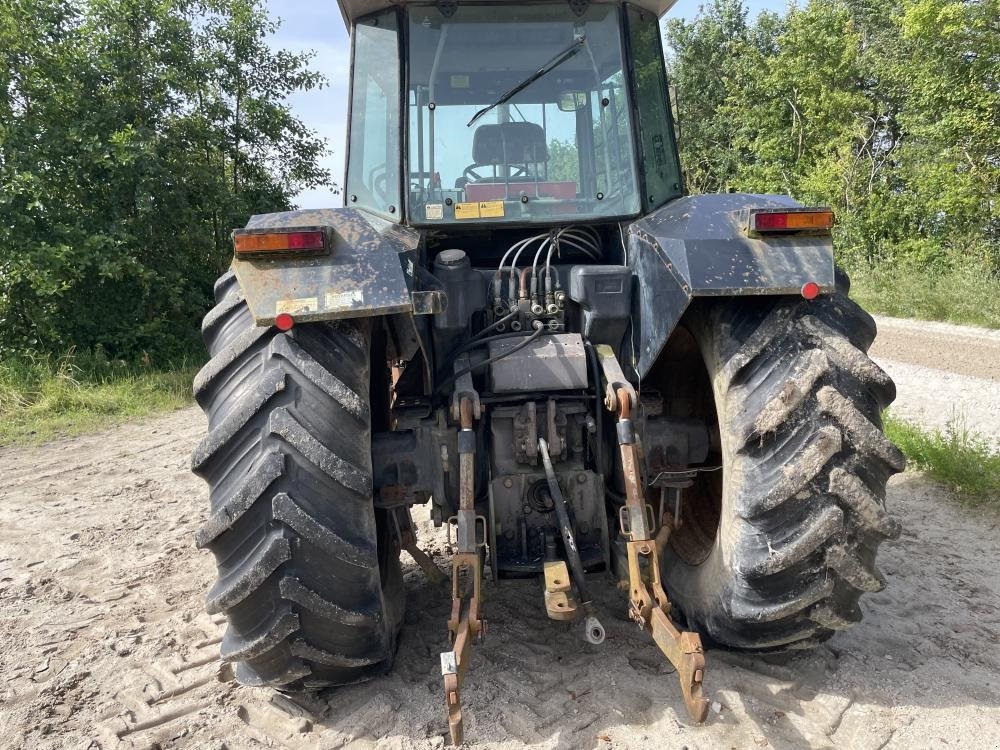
column 595, row 374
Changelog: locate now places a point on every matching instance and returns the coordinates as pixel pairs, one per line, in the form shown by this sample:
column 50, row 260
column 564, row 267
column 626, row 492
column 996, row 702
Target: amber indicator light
column 791, row 221
column 258, row 243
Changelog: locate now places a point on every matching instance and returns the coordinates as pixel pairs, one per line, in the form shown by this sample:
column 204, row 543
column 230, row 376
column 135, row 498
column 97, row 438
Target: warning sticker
column 336, row 300
column 481, row 210
column 490, row 209
column 467, row 210
column 293, row 306
column 434, row 210
column 460, row 82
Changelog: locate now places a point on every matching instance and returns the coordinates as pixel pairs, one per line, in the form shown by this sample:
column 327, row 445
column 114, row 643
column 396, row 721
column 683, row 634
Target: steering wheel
column 472, row 175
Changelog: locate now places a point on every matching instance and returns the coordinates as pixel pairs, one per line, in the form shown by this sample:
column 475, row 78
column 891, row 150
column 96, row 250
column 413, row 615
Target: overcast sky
column 318, row 26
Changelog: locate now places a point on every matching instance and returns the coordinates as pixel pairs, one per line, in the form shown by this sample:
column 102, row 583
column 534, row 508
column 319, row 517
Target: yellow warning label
column 460, row 82
column 490, row 209
column 467, row 210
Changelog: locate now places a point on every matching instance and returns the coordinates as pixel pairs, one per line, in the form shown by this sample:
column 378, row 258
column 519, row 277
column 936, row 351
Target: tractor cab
column 509, row 113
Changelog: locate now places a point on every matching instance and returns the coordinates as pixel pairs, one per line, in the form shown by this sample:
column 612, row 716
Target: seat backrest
column 509, row 143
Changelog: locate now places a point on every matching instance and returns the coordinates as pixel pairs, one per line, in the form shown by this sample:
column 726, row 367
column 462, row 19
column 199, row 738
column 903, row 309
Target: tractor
column 520, row 318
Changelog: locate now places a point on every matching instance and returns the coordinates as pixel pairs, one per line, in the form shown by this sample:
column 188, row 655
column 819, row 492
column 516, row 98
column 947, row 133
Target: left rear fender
column 373, row 269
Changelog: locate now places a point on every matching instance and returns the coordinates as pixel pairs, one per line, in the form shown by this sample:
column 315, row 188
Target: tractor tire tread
column 801, row 403
column 306, row 572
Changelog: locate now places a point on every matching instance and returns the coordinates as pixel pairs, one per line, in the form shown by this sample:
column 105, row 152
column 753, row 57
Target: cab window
column 373, row 171
column 658, row 149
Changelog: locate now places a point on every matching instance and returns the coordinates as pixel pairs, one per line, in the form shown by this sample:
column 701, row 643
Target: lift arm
column 466, row 624
column 648, row 602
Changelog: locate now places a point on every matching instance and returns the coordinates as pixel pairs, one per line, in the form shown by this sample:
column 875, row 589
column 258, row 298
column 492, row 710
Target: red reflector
column 767, row 220
column 278, row 242
column 810, row 290
column 284, row 322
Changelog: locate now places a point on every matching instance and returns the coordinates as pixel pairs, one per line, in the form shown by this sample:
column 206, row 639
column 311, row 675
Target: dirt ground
column 104, row 641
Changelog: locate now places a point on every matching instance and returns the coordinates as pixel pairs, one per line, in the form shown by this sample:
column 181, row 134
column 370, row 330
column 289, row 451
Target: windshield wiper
column 555, row 62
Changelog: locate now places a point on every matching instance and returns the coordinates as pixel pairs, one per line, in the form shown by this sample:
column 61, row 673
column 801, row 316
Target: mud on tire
column 308, row 575
column 785, row 542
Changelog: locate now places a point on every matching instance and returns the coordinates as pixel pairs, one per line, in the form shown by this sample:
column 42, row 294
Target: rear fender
column 698, row 246
column 373, row 269
column 369, row 271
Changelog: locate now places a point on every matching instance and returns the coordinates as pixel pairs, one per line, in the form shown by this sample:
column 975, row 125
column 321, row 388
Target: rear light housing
column 790, row 220
column 271, row 242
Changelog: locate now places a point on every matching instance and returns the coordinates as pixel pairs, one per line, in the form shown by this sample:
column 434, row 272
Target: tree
column 710, row 66
column 886, row 111
column 134, row 135
column 808, row 118
column 952, row 152
column 564, row 161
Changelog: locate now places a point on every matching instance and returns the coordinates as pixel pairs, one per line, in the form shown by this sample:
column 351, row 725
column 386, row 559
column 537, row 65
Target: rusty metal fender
column 698, row 246
column 372, row 269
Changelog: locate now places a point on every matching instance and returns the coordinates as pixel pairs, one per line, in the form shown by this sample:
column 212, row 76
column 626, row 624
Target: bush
column 963, row 292
column 134, row 135
column 967, row 463
column 42, row 396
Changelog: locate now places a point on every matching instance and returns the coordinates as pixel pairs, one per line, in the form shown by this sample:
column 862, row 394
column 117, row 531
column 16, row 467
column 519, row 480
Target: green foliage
column 885, row 111
column 564, row 161
column 963, row 294
column 966, row 462
column 43, row 396
column 710, row 67
column 134, row 134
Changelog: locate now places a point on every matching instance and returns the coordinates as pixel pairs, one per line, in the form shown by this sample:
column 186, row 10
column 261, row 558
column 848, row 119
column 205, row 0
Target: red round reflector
column 810, row 290
column 284, row 321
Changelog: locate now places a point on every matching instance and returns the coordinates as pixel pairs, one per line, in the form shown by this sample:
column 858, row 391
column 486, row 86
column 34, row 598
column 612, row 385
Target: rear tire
column 784, row 543
column 309, row 574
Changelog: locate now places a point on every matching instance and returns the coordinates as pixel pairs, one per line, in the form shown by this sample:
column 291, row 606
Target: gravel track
column 104, row 641
column 945, row 374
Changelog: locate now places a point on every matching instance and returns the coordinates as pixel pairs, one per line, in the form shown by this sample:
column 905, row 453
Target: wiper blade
column 555, row 62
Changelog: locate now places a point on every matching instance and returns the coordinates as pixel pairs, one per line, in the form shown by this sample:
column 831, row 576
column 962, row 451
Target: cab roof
column 354, row 9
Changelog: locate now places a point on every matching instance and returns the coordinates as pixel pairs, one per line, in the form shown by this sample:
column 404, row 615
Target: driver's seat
column 507, row 144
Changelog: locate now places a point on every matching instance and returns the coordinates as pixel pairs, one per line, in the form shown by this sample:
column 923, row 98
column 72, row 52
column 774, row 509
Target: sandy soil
column 104, row 642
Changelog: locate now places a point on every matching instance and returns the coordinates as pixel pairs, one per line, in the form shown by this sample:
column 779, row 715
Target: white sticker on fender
column 337, row 300
column 297, row 306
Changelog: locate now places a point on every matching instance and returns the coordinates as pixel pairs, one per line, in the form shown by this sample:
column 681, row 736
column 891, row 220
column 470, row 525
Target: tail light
column 790, row 220
column 267, row 242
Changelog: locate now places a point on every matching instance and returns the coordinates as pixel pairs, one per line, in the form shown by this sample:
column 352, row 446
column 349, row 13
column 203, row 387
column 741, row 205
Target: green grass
column 42, row 397
column 956, row 457
column 965, row 295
